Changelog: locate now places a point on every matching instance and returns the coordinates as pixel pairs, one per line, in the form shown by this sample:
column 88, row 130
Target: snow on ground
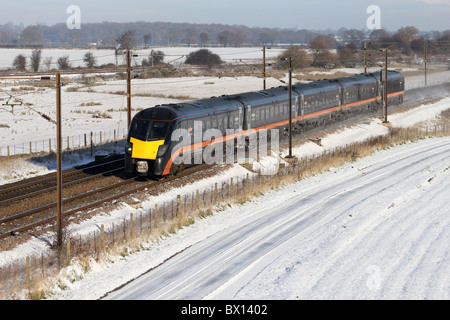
column 25, row 125
column 372, row 229
column 107, row 56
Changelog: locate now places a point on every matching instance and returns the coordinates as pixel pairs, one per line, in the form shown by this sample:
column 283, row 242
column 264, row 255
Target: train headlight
column 129, row 147
column 162, row 150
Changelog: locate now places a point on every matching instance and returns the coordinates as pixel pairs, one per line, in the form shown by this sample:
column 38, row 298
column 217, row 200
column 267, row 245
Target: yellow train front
column 148, row 142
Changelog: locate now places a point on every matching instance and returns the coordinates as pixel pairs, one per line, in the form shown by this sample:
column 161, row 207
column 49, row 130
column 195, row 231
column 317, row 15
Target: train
column 151, row 150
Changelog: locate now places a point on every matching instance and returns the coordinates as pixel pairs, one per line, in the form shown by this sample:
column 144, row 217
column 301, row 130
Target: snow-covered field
column 377, row 228
column 107, row 56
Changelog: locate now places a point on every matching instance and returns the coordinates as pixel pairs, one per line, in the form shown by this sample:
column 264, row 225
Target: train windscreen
column 149, row 130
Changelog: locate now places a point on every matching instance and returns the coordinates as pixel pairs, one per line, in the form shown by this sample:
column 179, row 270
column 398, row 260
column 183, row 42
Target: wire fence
column 432, row 79
column 73, row 142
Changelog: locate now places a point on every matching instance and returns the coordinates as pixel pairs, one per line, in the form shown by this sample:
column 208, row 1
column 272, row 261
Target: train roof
column 316, row 86
column 358, row 78
column 225, row 102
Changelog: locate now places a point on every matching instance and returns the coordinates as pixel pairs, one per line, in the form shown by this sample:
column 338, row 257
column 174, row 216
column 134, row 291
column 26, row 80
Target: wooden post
column 215, row 192
column 128, row 89
column 131, row 224
column 178, row 205
column 58, row 160
column 102, row 237
column 156, row 214
column 231, row 187
column 68, row 252
column 28, row 276
column 197, row 199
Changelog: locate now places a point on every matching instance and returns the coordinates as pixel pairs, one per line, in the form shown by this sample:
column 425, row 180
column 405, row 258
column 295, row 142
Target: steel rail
column 67, row 172
column 70, row 183
column 65, row 201
column 95, row 203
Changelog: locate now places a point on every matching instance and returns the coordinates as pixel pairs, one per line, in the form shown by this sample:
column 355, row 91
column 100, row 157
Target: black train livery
column 151, row 151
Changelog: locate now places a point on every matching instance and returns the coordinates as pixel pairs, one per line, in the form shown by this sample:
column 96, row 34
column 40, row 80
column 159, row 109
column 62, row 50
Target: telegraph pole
column 264, row 67
column 425, row 49
column 385, row 85
column 365, row 58
column 290, row 107
column 128, row 89
column 58, row 162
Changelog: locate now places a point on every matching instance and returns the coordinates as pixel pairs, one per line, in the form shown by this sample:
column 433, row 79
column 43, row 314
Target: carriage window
column 220, row 124
column 225, row 121
column 206, row 124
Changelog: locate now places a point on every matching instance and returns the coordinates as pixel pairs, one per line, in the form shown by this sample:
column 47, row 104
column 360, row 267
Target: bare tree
column 204, row 38
column 32, row 35
column 20, row 63
column 63, row 63
column 155, row 58
column 353, row 36
column 319, row 48
column 238, row 37
column 348, row 55
column 35, row 58
column 224, row 38
column 300, row 58
column 147, row 37
column 89, row 59
column 127, row 40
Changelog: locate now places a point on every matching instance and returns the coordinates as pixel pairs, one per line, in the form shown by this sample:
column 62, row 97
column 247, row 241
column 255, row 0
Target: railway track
column 31, row 203
column 25, row 221
column 34, row 198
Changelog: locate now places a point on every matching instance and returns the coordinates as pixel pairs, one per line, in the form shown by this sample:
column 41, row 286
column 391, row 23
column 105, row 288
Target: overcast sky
column 303, row 14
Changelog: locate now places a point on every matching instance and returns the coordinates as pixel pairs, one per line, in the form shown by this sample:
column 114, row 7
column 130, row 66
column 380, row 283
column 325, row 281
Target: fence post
column 231, row 187
column 131, row 224
column 156, row 214
column 68, row 251
column 215, row 193
column 178, row 205
column 102, row 237
column 28, row 276
column 197, row 199
column 92, row 144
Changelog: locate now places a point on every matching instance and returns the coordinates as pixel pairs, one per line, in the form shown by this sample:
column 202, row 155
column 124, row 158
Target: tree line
column 322, row 50
column 20, row 61
column 175, row 34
